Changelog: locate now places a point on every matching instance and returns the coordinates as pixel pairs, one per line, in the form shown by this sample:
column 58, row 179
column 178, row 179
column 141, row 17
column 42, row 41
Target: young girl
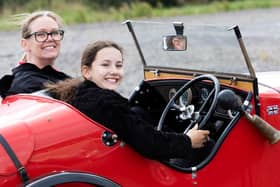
column 95, row 96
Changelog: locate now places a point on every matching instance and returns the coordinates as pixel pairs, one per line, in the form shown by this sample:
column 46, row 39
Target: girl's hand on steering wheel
column 198, row 137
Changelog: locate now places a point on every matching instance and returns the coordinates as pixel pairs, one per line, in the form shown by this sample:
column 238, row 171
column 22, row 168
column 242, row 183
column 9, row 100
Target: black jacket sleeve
column 5, row 84
column 113, row 111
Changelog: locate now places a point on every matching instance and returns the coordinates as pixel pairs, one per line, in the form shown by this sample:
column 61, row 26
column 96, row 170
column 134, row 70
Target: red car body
column 54, row 142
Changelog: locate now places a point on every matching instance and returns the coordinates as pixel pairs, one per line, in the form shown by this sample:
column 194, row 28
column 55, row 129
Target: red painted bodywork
column 48, row 135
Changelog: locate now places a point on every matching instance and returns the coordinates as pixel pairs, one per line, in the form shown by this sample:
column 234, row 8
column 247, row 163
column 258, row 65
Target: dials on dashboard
column 195, row 94
column 184, row 100
column 204, row 93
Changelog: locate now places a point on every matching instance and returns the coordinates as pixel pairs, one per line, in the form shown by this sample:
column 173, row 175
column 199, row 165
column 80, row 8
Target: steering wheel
column 195, row 113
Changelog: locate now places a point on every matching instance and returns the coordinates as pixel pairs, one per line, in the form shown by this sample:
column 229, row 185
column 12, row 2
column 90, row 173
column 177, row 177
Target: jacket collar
column 32, row 67
column 88, row 83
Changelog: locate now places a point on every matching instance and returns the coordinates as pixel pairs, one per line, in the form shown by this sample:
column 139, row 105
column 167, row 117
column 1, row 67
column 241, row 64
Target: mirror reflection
column 175, row 43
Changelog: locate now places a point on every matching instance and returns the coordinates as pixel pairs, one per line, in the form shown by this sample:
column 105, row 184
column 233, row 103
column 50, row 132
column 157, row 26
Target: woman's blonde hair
column 25, row 30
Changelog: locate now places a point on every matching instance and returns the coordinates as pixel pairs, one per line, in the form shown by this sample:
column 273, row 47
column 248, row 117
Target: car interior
column 189, row 106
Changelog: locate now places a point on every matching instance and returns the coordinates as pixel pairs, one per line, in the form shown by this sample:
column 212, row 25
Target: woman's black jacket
column 113, row 111
column 28, row 78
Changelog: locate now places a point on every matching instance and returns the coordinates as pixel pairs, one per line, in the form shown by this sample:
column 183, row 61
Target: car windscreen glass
column 263, row 46
column 209, row 48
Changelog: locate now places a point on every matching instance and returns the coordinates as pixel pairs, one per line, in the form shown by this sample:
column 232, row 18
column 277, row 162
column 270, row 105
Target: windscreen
column 209, row 48
column 263, row 45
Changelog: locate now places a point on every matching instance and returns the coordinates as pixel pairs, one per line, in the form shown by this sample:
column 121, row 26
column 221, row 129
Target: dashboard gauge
column 204, row 93
column 186, row 98
column 171, row 93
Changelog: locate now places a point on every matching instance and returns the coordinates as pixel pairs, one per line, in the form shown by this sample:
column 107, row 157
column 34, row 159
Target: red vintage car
column 209, row 80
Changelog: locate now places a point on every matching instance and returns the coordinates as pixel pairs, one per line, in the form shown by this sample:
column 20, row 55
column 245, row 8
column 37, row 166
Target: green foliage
column 165, row 3
column 85, row 11
column 174, row 3
column 38, row 4
column 105, row 4
column 1, row 5
column 137, row 10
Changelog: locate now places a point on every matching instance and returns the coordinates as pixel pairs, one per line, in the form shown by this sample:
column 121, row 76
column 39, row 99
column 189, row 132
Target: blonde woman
column 41, row 32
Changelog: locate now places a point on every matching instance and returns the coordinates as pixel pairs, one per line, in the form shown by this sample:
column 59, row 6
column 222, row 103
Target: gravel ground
column 77, row 37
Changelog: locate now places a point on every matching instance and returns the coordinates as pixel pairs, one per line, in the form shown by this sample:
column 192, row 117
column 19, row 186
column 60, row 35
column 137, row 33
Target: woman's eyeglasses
column 42, row 36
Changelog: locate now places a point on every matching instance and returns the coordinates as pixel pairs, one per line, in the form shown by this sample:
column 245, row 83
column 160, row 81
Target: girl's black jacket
column 113, row 111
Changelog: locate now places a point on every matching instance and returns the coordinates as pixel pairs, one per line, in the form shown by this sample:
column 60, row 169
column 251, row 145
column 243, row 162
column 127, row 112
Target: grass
column 78, row 13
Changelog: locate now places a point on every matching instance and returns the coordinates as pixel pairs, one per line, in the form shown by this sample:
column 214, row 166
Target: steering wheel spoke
column 204, row 104
column 205, row 110
column 175, row 106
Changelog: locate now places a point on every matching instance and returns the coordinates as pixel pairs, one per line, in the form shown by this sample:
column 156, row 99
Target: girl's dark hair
column 63, row 90
column 92, row 49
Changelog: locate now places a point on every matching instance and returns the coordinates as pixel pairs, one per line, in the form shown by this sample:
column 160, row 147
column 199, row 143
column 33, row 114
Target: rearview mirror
column 174, row 43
